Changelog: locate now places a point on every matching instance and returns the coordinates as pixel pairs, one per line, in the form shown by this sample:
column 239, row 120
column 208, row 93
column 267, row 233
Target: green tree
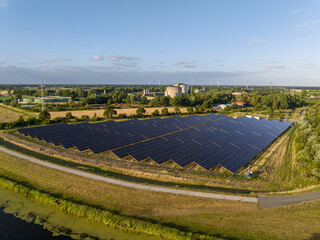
column 199, row 108
column 14, row 102
column 144, row 100
column 234, row 106
column 227, row 109
column 20, row 121
column 270, row 112
column 43, row 115
column 177, row 110
column 155, row 113
column 190, row 110
column 69, row 115
column 109, row 112
column 140, row 110
column 94, row 118
column 165, row 111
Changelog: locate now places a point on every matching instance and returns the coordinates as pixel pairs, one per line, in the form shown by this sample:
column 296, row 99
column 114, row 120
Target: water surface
column 22, row 218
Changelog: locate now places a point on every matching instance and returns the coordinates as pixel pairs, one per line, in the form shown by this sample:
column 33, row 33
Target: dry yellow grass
column 99, row 112
column 6, row 115
column 217, row 217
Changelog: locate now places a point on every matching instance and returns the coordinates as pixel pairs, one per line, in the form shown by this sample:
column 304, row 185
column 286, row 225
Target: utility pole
column 247, row 85
column 42, row 98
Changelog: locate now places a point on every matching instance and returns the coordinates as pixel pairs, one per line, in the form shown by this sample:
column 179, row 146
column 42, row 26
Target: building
column 173, row 91
column 222, row 106
column 240, row 104
column 184, row 88
column 45, row 99
column 176, row 90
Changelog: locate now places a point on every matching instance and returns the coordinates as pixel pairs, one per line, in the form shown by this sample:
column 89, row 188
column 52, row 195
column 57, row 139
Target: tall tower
column 42, row 98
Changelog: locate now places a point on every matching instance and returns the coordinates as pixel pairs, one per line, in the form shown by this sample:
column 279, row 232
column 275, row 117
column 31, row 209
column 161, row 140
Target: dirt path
column 128, row 184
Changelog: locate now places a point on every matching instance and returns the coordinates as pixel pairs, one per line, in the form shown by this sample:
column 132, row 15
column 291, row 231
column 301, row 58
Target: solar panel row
column 205, row 140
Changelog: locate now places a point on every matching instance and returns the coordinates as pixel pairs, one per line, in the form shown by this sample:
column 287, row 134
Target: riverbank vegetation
column 101, row 216
column 192, row 216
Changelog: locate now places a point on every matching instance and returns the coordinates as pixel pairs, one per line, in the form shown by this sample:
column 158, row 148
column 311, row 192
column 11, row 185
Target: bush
column 165, row 111
column 155, row 113
column 69, row 115
column 43, row 115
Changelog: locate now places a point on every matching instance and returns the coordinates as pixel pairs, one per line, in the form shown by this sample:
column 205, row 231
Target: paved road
column 128, row 184
column 279, row 201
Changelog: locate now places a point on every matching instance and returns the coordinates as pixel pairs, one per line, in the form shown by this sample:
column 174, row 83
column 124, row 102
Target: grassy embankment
column 216, row 218
column 8, row 114
column 115, row 174
column 99, row 215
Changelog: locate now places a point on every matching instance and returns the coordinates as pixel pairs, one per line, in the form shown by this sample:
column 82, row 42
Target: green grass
column 117, row 175
column 225, row 219
column 102, row 216
column 5, row 97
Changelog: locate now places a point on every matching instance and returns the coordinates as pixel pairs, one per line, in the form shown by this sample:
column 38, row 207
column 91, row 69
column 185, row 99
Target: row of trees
column 308, row 137
column 275, row 100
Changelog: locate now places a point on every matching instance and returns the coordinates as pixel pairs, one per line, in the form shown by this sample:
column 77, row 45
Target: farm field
column 99, row 112
column 220, row 218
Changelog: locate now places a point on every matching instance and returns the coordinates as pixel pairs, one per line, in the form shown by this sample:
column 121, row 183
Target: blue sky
column 166, row 41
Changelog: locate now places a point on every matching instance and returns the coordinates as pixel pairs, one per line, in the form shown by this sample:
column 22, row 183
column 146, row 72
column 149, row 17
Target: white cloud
column 24, row 63
column 3, row 3
column 3, row 65
column 296, row 11
column 121, row 58
column 63, row 59
column 275, row 66
column 301, row 11
column 256, row 41
column 97, row 58
column 307, row 23
column 190, row 64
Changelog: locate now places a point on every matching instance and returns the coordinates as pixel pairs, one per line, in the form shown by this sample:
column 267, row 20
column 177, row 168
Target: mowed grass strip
column 118, row 175
column 218, row 218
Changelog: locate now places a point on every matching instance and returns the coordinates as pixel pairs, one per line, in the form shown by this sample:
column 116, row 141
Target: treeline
column 78, row 93
column 259, row 99
column 274, row 100
column 308, row 137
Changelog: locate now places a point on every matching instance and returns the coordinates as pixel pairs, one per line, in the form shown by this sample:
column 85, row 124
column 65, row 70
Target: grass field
column 7, row 115
column 226, row 219
column 90, row 113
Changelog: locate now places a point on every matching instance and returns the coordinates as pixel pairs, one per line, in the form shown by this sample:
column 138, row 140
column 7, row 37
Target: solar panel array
column 206, row 140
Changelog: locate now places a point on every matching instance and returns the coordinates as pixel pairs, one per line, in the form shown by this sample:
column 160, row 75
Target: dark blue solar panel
column 206, row 140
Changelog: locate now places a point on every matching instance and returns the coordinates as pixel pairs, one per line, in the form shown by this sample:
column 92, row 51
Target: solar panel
column 207, row 140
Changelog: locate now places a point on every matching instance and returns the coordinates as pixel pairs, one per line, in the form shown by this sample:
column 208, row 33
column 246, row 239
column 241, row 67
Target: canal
column 26, row 219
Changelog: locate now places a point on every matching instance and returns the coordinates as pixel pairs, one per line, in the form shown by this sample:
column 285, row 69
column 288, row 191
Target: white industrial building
column 184, row 87
column 176, row 90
